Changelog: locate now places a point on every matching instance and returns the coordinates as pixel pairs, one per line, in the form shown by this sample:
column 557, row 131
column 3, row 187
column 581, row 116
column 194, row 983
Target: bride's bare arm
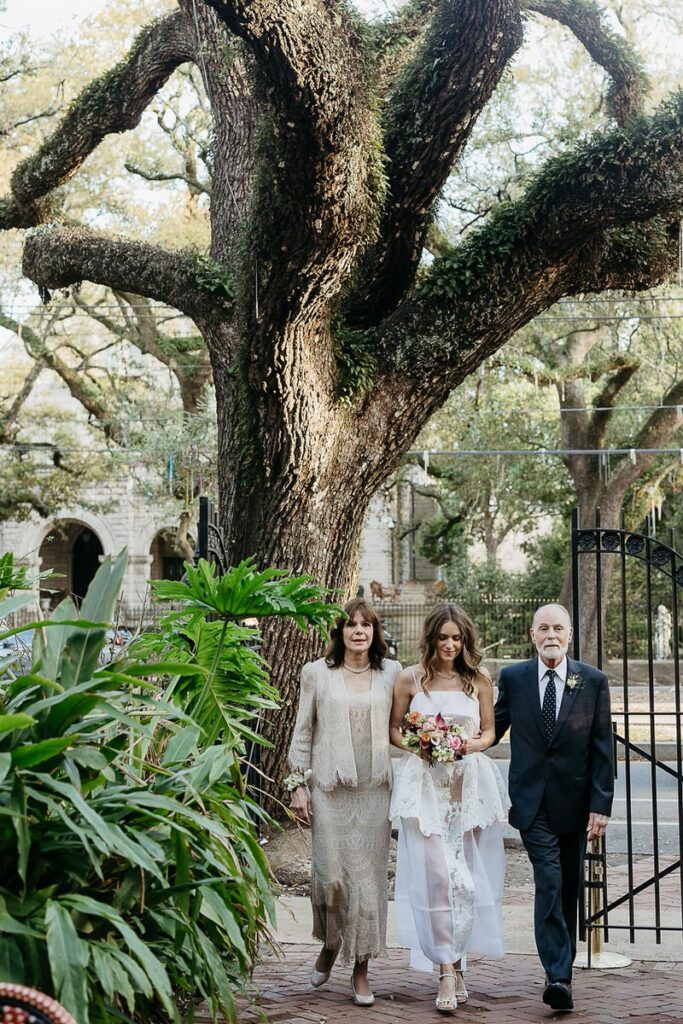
column 484, row 694
column 403, row 691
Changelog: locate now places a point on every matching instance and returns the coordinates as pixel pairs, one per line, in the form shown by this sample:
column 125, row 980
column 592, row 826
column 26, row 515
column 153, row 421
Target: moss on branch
column 114, row 102
column 631, row 174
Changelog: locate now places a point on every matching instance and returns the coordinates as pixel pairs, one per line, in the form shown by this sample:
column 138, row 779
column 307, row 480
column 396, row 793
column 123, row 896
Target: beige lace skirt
column 350, row 859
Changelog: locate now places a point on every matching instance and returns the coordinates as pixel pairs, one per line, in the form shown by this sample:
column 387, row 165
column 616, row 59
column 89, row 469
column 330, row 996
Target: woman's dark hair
column 334, row 655
column 467, row 661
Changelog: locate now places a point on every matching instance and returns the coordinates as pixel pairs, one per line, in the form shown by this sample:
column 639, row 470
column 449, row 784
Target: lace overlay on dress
column 350, row 847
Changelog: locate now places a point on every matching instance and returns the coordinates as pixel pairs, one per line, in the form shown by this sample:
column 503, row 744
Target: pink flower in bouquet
column 454, row 742
column 440, row 722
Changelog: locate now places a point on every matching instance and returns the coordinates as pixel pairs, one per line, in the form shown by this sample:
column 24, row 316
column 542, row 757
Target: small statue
column 663, row 630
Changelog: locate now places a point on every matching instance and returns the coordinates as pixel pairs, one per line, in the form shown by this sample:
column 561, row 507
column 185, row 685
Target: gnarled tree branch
column 573, row 230
column 56, row 257
column 8, row 419
column 113, row 103
column 591, row 220
column 141, row 329
column 429, row 118
column 657, row 431
column 45, row 358
column 605, row 399
column 586, row 20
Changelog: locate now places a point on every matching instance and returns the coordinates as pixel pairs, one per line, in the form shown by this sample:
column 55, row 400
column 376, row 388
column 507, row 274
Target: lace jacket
column 322, row 734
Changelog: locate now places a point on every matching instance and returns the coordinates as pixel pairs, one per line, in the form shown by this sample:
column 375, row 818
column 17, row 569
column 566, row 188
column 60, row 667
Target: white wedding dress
column 450, row 867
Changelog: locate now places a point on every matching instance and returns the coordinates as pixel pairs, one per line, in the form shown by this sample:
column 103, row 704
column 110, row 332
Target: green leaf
column 68, row 956
column 14, row 603
column 8, row 723
column 36, row 753
column 181, row 745
column 155, row 970
column 5, row 765
column 215, row 908
column 49, row 644
column 103, row 593
column 108, row 837
column 82, row 647
column 17, row 805
column 11, row 962
column 10, row 926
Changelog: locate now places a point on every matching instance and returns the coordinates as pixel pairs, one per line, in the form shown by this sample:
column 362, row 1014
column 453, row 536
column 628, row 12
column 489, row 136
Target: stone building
column 74, row 544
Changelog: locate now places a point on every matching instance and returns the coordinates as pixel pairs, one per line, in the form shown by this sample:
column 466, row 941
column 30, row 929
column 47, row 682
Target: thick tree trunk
column 295, row 482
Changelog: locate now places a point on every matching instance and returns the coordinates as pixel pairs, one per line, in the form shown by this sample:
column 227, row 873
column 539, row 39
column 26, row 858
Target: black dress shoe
column 558, row 994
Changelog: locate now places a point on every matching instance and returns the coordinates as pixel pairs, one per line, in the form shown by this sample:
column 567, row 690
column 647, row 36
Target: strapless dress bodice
column 455, row 705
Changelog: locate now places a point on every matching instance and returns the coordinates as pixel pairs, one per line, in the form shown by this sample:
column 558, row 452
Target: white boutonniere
column 574, row 681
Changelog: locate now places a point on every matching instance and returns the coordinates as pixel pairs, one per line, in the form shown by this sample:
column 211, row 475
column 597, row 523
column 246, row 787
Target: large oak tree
column 330, row 346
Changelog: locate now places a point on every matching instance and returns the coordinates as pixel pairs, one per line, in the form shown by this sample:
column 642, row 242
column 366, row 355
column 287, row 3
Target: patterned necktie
column 549, row 708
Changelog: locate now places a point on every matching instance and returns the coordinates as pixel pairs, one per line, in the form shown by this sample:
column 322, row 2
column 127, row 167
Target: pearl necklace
column 356, row 671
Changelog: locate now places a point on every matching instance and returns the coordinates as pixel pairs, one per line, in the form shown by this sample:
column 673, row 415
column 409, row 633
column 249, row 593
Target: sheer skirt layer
column 450, row 869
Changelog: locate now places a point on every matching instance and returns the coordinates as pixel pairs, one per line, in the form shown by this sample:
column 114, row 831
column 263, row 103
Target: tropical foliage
column 133, row 880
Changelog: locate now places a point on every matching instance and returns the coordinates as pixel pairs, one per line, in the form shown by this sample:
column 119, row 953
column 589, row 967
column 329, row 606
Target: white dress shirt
column 560, row 680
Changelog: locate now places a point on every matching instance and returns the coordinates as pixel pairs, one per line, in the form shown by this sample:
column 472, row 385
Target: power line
column 132, row 422
column 428, row 453
column 47, row 447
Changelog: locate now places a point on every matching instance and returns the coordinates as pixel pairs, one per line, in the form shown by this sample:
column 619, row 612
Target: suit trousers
column 557, row 861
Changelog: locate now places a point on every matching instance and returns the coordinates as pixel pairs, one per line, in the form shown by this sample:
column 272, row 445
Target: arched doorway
column 74, row 551
column 167, row 558
column 85, row 561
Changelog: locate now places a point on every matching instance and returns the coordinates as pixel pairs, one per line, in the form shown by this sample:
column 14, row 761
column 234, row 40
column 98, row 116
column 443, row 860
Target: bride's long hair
column 467, row 661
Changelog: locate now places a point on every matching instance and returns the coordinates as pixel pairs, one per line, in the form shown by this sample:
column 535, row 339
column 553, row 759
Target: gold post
column 598, row 957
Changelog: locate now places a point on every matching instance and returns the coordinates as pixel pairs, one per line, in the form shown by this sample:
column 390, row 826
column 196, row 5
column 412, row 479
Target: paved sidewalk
column 507, row 990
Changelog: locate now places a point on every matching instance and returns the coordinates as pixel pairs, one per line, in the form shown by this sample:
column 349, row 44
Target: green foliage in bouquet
column 133, row 882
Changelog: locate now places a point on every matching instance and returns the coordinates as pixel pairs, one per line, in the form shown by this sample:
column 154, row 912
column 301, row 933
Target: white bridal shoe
column 461, row 993
column 447, row 1004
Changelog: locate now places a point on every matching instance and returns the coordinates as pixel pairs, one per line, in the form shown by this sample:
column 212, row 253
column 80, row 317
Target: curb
column 663, row 752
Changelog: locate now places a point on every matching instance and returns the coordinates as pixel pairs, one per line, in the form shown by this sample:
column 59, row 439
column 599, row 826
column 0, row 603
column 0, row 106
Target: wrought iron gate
column 645, row 894
column 209, row 536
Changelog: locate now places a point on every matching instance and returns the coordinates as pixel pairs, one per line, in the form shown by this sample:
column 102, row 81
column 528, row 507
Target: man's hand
column 301, row 804
column 597, row 823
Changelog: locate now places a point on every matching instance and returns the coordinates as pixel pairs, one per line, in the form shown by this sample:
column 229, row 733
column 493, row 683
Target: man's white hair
column 552, row 604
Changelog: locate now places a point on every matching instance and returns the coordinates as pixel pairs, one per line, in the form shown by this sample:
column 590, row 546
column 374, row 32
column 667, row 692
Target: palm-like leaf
column 131, row 867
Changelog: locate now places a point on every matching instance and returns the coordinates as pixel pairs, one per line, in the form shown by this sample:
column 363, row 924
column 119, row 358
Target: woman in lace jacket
column 340, row 785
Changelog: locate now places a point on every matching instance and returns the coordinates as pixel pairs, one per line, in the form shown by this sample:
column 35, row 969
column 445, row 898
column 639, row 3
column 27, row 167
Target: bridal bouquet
column 433, row 737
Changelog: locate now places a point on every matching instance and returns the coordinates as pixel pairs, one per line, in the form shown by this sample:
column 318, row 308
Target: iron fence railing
column 503, row 626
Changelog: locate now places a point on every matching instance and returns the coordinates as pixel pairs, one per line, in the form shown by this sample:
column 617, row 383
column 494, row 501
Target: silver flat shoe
column 319, row 978
column 361, row 1000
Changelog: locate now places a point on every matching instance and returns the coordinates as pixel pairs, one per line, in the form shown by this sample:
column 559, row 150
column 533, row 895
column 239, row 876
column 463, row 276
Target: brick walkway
column 507, row 990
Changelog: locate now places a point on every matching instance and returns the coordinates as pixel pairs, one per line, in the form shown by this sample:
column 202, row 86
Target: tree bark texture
column 332, row 142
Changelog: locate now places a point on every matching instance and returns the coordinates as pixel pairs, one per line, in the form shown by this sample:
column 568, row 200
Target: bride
column 451, row 863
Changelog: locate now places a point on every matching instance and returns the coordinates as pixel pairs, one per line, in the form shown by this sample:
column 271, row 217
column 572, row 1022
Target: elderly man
column 561, row 781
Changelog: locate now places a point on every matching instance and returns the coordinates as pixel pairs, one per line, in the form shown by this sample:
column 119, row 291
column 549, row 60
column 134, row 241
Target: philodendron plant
column 132, row 878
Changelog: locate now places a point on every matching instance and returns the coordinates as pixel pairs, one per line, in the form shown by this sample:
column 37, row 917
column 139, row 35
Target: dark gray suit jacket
column 574, row 771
